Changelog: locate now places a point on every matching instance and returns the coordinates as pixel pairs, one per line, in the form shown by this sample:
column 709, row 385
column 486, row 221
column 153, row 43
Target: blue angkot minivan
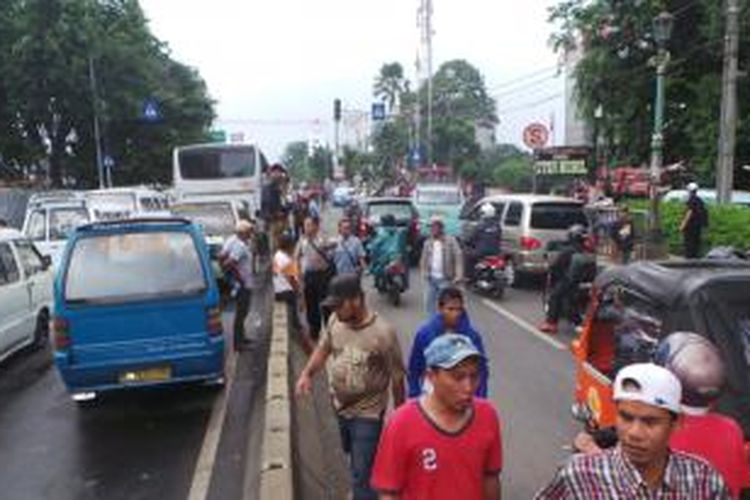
column 136, row 305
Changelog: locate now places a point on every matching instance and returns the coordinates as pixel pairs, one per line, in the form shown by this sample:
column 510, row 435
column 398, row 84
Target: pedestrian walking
column 451, row 317
column 641, row 465
column 365, row 364
column 623, row 234
column 445, row 444
column 239, row 262
column 694, row 222
column 312, row 256
column 287, row 286
column 349, row 254
column 441, row 263
column 273, row 208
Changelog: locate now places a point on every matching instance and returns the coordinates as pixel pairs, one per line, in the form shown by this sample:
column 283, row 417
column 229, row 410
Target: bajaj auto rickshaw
column 635, row 306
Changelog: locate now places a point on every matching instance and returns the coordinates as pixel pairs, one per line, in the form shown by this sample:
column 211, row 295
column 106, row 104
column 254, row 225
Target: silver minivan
column 531, row 224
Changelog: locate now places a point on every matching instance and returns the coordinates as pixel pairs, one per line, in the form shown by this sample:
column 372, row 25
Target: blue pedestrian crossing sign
column 378, row 111
column 151, row 111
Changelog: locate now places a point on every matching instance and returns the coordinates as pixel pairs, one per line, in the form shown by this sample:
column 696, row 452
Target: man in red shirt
column 445, row 444
column 699, row 366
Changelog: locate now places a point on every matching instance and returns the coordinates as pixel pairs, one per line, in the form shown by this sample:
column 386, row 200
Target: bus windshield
column 216, row 163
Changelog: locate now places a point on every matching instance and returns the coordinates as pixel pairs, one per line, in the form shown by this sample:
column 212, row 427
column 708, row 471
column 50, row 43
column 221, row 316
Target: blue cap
column 448, row 350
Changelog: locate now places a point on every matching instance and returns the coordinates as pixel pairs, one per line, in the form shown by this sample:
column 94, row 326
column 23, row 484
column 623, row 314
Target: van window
column 30, row 259
column 8, row 267
column 557, row 215
column 35, row 230
column 134, row 266
column 62, row 221
column 515, row 211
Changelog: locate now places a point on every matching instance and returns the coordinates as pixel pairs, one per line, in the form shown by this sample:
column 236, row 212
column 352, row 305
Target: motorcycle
column 489, row 276
column 393, row 281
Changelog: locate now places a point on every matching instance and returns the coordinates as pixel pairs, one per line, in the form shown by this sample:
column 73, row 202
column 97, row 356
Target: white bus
column 219, row 171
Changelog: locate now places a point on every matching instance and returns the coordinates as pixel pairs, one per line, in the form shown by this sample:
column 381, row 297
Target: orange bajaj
column 634, row 307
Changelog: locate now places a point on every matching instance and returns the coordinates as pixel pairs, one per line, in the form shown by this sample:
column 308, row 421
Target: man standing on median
column 366, row 363
column 445, row 444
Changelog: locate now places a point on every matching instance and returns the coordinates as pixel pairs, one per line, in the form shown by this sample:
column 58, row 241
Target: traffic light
column 337, row 110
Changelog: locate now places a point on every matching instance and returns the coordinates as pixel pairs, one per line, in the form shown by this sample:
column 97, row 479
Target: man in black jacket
column 273, row 210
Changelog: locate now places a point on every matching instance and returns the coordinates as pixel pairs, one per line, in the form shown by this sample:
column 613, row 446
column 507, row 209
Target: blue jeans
column 432, row 290
column 359, row 437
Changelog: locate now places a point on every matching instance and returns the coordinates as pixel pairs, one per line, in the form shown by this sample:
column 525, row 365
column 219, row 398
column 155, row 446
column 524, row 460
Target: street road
column 138, row 445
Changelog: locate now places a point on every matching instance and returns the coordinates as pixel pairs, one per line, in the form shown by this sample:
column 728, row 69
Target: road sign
column 218, row 136
column 535, row 136
column 378, row 111
column 151, row 111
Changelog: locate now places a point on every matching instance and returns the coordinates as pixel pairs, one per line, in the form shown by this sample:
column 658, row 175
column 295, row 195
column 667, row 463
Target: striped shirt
column 610, row 475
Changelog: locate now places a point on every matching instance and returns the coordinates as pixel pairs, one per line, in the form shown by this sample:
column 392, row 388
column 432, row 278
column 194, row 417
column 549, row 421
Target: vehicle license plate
column 156, row 374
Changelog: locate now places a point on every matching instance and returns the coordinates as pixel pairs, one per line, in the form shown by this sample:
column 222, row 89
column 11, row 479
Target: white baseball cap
column 692, row 186
column 650, row 384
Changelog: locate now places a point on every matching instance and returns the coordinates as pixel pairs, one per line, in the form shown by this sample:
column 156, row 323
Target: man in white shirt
column 441, row 263
column 239, row 261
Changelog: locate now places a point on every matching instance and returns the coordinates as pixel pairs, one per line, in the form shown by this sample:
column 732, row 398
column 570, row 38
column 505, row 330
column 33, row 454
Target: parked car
column 342, row 196
column 49, row 220
column 441, row 200
column 406, row 216
column 135, row 304
column 25, row 294
column 532, row 226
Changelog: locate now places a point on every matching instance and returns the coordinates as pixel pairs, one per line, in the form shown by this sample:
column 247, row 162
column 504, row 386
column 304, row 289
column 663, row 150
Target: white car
column 48, row 223
column 25, row 294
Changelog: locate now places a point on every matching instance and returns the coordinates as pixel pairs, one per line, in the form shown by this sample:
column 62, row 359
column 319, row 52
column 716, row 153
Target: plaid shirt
column 610, row 475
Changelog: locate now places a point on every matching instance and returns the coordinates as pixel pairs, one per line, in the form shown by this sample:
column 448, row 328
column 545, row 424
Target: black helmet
column 388, row 220
column 696, row 361
column 576, row 233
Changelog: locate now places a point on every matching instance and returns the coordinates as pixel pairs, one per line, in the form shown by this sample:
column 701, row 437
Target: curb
column 276, row 458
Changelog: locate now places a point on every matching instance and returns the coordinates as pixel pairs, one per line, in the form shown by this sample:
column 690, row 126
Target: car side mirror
column 47, row 261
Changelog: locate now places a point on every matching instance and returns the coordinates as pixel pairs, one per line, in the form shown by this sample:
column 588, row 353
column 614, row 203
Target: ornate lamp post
column 662, row 26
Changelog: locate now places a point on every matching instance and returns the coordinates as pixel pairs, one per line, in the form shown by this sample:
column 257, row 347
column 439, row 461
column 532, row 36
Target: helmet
column 696, row 361
column 487, row 211
column 388, row 220
column 692, row 187
column 576, row 233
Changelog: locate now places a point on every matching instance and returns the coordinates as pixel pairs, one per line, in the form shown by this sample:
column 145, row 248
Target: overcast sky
column 275, row 66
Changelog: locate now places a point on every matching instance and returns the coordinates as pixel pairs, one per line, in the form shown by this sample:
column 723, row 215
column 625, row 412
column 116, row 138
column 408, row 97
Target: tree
column 296, row 160
column 54, row 50
column 390, row 84
column 616, row 73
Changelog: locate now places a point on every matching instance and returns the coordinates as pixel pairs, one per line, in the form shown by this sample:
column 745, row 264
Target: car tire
column 41, row 330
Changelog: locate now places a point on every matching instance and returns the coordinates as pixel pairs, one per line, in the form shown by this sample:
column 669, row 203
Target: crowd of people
column 420, row 426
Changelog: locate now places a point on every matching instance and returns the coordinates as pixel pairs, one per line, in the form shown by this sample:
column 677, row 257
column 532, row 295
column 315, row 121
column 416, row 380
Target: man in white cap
column 641, row 465
column 693, row 223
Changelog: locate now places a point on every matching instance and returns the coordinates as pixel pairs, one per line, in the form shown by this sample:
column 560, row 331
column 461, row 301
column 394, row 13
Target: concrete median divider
column 276, row 475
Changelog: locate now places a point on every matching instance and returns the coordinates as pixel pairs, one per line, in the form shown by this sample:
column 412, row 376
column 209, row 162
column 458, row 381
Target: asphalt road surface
column 133, row 445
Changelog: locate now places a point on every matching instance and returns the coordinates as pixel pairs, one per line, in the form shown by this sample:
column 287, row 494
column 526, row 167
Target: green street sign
column 218, row 135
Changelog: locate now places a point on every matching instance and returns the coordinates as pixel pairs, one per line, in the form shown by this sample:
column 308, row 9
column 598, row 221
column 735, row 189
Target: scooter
column 392, row 281
column 489, row 276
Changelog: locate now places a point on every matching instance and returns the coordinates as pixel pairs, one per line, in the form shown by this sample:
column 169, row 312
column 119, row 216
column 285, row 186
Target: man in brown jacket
column 441, row 263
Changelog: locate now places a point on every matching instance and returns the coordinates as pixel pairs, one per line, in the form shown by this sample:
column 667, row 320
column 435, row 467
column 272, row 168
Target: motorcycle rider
column 387, row 246
column 565, row 272
column 485, row 240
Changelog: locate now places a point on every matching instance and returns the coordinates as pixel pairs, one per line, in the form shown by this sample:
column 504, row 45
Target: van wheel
column 41, row 331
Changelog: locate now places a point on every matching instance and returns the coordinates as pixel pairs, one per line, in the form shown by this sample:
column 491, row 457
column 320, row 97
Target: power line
column 526, row 86
column 529, row 105
column 521, row 78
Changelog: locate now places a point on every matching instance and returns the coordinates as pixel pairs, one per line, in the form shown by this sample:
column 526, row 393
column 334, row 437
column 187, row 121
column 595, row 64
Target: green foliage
column 304, row 168
column 390, row 84
column 515, row 173
column 47, row 49
column 616, row 73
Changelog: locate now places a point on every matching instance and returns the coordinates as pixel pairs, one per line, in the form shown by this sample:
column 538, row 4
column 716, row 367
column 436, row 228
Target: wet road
column 134, row 445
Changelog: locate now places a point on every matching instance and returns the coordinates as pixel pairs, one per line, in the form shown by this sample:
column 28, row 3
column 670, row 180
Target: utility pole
column 97, row 132
column 728, row 127
column 428, row 44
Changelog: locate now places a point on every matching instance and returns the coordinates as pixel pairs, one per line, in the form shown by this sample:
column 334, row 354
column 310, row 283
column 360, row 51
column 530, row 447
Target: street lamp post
column 662, row 25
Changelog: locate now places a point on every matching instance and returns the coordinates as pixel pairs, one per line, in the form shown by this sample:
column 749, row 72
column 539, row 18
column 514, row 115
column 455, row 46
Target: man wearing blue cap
column 423, row 448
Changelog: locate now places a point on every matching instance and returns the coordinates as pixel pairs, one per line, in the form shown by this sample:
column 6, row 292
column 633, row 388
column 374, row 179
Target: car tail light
column 529, row 243
column 61, row 333
column 213, row 321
